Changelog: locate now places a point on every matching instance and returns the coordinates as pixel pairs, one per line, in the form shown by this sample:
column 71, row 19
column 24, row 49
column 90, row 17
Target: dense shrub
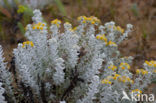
column 79, row 65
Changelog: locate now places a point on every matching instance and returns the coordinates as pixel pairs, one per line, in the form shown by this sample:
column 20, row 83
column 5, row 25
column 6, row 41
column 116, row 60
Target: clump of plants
column 81, row 64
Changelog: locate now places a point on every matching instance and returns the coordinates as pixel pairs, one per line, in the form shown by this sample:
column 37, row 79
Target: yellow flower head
column 125, row 79
column 112, row 67
column 124, row 66
column 38, row 26
column 116, row 75
column 101, row 37
column 141, row 71
column 75, row 28
column 151, row 63
column 128, row 79
column 137, row 91
column 144, row 72
column 118, row 28
column 106, row 81
column 28, row 43
column 56, row 22
column 110, row 43
column 122, row 79
column 138, row 71
column 90, row 19
column 113, row 77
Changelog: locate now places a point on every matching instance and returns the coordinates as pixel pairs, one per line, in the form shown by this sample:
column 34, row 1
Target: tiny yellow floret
column 137, row 71
column 56, row 22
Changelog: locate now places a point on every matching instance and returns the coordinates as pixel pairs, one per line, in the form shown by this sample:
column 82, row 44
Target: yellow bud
column 31, row 44
column 75, row 28
column 41, row 28
column 92, row 22
column 43, row 24
column 123, row 68
column 124, row 81
column 120, row 29
column 99, row 37
column 112, row 43
column 112, row 67
column 128, row 79
column 115, row 78
column 116, row 75
column 124, row 65
column 38, row 27
column 138, row 71
column 144, row 72
column 34, row 27
column 23, row 46
column 84, row 21
column 109, row 82
column 56, row 21
column 39, row 24
column 27, row 42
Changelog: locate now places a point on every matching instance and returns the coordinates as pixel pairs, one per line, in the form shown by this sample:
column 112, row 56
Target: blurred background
column 16, row 14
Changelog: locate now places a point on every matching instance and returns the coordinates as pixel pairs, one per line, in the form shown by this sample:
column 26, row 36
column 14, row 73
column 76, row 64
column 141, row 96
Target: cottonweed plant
column 81, row 64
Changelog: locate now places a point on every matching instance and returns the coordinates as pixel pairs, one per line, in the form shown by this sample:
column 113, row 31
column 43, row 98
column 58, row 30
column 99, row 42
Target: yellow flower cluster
column 118, row 77
column 112, row 67
column 151, row 63
column 56, row 22
column 117, row 28
column 75, row 28
column 154, row 71
column 90, row 19
column 110, row 43
column 103, row 37
column 124, row 66
column 106, row 81
column 39, row 26
column 137, row 91
column 115, row 77
column 28, row 43
column 125, row 79
column 141, row 71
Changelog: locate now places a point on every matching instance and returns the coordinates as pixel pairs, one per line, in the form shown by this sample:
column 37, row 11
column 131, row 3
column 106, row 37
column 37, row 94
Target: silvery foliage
column 142, row 81
column 62, row 102
column 6, row 76
column 2, row 90
column 72, row 63
column 51, row 56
